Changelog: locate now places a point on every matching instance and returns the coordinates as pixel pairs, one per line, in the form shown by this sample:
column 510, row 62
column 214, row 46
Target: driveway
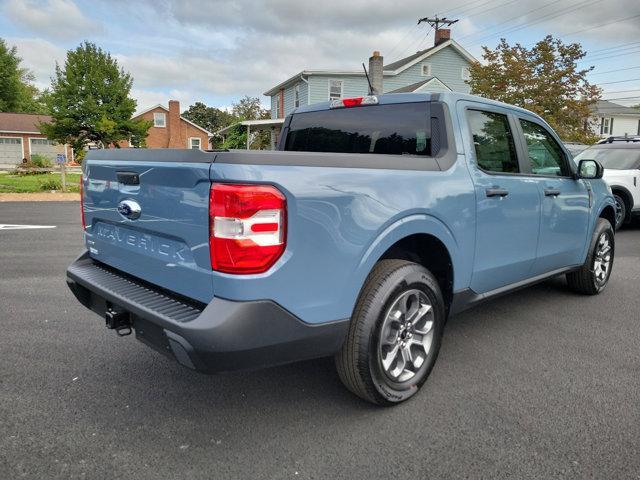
column 541, row 383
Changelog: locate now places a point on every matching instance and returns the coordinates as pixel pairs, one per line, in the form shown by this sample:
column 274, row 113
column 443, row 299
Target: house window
column 426, row 69
column 638, row 127
column 195, row 143
column 278, row 105
column 606, row 126
column 466, row 74
column 42, row 141
column 335, row 89
column 159, row 119
column 296, row 95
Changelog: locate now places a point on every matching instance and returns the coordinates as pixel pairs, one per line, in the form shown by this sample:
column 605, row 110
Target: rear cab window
column 493, row 142
column 391, row 129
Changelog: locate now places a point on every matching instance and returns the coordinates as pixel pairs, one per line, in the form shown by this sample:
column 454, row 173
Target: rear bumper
column 221, row 336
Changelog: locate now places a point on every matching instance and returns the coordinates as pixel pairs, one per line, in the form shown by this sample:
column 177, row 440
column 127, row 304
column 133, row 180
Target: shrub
column 40, row 161
column 50, row 184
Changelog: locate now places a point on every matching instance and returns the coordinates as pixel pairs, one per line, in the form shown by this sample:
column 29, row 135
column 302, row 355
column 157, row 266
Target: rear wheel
column 594, row 275
column 395, row 333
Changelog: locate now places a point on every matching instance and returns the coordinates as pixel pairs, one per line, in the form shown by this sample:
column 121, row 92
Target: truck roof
column 449, row 98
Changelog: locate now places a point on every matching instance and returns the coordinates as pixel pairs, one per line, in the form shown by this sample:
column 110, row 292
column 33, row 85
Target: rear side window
column 493, row 142
column 394, row 129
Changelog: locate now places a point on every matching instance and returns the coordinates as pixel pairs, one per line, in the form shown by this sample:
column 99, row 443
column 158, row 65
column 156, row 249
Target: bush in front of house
column 40, row 161
column 50, row 184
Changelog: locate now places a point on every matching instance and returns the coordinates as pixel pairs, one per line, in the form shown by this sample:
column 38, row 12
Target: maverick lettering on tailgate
column 149, row 244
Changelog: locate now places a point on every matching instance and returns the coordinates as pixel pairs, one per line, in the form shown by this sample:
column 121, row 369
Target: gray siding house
column 443, row 67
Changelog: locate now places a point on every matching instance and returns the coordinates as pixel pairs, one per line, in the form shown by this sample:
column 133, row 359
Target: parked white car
column 620, row 158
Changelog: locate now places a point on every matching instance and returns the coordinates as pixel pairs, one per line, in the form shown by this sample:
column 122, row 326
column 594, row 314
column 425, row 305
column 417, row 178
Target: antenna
column 368, row 80
column 437, row 22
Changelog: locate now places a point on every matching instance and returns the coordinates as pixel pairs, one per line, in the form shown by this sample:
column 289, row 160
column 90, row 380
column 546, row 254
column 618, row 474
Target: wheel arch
column 608, row 213
column 419, row 238
column 625, row 194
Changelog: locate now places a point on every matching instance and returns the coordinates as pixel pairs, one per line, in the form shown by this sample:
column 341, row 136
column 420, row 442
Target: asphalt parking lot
column 542, row 383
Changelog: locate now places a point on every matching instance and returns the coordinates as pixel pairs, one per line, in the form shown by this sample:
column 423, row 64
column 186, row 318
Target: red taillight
column 352, row 102
column 247, row 227
column 84, row 225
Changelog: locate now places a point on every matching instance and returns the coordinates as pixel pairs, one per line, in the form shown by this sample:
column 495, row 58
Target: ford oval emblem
column 129, row 209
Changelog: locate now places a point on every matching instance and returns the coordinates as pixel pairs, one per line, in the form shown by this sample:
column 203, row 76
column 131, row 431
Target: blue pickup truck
column 377, row 218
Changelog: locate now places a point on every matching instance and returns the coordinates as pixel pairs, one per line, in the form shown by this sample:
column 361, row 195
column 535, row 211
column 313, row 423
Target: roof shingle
column 21, row 122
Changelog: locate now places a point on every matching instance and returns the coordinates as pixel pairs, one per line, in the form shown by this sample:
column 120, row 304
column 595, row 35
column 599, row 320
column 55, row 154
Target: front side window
column 335, row 89
column 159, row 119
column 393, row 129
column 545, row 155
column 194, row 143
column 493, row 142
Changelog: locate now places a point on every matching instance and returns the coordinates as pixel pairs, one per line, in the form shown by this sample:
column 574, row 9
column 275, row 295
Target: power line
column 616, row 70
column 615, row 47
column 624, row 19
column 548, row 16
column 415, row 26
column 619, row 81
column 463, row 6
column 509, row 20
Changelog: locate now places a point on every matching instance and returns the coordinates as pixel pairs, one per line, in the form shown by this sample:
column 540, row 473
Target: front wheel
column 594, row 275
column 395, row 333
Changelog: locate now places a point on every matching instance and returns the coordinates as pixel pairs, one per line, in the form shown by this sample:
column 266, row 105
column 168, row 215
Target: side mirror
column 590, row 169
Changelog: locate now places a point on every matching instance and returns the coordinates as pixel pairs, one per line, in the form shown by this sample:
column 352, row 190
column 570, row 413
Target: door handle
column 496, row 192
column 551, row 192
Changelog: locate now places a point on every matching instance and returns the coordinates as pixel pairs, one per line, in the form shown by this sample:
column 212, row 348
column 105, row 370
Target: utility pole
column 437, row 22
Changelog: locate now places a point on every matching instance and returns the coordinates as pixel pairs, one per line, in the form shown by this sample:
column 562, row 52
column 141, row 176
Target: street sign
column 61, row 159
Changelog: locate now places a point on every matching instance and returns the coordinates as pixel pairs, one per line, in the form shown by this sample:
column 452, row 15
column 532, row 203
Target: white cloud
column 219, row 50
column 58, row 19
column 39, row 56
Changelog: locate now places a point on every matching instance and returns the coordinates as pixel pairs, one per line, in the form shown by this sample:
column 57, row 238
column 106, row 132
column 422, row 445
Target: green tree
column 17, row 92
column 544, row 79
column 89, row 101
column 209, row 118
column 249, row 108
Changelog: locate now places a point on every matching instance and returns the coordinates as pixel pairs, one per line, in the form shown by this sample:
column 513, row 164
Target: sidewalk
column 40, row 197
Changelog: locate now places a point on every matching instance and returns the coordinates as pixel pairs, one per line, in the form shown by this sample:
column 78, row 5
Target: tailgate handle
column 128, row 178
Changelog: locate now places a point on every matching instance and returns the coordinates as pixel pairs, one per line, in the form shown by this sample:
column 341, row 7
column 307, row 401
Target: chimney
column 442, row 35
column 177, row 138
column 375, row 72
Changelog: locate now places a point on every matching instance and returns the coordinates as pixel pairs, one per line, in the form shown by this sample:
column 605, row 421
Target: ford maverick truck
column 376, row 219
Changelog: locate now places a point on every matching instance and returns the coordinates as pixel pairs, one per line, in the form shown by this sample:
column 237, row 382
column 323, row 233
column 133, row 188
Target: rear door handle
column 551, row 192
column 496, row 192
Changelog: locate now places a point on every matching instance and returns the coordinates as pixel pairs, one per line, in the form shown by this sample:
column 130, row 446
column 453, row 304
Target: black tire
column 359, row 362
column 621, row 211
column 587, row 280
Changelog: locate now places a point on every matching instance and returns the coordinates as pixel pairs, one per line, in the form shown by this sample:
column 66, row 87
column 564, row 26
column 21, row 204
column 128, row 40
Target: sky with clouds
column 217, row 51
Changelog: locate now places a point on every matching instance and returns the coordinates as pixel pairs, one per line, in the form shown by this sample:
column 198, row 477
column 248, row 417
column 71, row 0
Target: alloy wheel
column 602, row 259
column 406, row 335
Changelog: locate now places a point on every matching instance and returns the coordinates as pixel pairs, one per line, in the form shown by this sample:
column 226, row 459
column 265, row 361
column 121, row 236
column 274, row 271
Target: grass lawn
column 11, row 183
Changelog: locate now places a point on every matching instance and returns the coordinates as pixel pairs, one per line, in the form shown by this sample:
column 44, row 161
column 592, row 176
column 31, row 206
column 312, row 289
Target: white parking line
column 23, row 227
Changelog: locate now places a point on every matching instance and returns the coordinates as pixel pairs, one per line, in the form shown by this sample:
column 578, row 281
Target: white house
column 613, row 120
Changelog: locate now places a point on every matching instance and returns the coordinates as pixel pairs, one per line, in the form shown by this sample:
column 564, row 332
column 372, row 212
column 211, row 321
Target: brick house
column 171, row 130
column 20, row 138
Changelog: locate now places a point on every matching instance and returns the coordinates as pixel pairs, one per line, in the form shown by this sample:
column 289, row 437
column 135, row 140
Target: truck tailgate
column 168, row 244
